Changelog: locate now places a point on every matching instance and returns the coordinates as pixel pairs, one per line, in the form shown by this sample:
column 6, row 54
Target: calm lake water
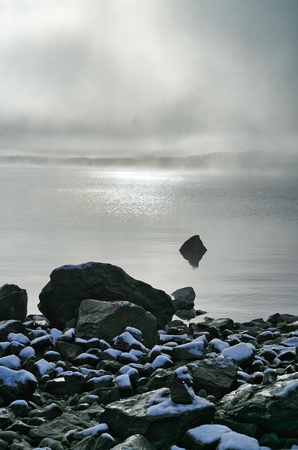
column 139, row 220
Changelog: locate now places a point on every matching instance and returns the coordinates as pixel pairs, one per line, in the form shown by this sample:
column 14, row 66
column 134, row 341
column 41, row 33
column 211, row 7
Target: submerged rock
column 13, row 302
column 69, row 285
column 193, row 250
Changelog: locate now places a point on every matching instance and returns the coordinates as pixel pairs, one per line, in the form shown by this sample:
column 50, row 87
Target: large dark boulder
column 69, row 285
column 193, row 250
column 13, row 302
column 105, row 320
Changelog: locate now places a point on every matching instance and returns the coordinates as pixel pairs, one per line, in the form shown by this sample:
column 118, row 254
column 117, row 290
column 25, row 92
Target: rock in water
column 69, row 285
column 193, row 250
column 13, row 302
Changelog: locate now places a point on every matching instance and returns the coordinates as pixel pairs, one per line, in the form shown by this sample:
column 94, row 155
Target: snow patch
column 12, row 378
column 207, row 434
column 237, row 441
column 159, row 405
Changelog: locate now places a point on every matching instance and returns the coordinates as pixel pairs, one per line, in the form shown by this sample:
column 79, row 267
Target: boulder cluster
column 112, row 378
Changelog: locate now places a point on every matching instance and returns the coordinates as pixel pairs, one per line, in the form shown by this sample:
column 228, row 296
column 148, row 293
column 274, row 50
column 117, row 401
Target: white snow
column 11, row 361
column 42, row 339
column 244, row 376
column 237, row 441
column 135, row 332
column 218, row 344
column 70, row 333
column 172, row 337
column 159, row 405
column 285, row 390
column 183, row 374
column 55, row 333
column 4, row 346
column 291, row 342
column 44, row 366
column 19, row 403
column 26, row 352
column 103, row 379
column 238, row 352
column 207, row 434
column 161, row 361
column 123, row 381
column 12, row 378
column 18, row 337
column 112, row 353
column 87, row 356
column 96, row 430
column 75, row 267
column 130, row 340
column 194, row 348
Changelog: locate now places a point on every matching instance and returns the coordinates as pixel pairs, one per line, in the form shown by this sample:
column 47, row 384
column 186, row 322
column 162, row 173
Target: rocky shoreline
column 120, row 374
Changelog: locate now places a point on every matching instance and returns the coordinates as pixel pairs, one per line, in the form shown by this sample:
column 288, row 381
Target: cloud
column 130, row 75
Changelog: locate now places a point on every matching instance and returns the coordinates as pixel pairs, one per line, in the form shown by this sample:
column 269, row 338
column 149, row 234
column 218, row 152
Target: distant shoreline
column 251, row 161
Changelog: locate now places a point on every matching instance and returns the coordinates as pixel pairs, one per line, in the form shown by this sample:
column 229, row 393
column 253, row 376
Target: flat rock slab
column 70, row 284
column 273, row 408
column 156, row 416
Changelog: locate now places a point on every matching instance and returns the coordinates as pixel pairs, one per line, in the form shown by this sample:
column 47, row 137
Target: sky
column 140, row 77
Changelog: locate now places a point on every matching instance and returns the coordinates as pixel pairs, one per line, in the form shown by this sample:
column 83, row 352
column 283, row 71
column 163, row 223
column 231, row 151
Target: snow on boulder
column 188, row 351
column 242, row 353
column 237, row 441
column 16, row 384
column 11, row 361
column 155, row 416
column 204, row 436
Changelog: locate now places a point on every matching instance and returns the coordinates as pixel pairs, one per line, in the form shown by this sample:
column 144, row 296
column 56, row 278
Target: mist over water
column 139, row 219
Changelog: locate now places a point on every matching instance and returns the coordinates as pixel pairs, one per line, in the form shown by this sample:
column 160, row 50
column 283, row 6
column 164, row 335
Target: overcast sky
column 99, row 77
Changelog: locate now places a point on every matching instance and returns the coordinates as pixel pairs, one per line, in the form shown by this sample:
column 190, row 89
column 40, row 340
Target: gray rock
column 273, row 408
column 156, row 417
column 13, row 302
column 218, row 376
column 58, row 428
column 69, row 285
column 106, row 320
column 184, row 298
column 186, row 314
column 204, row 437
column 135, row 442
column 180, row 392
column 188, row 351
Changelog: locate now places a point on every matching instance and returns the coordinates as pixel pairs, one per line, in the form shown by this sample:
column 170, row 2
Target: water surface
column 55, row 216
